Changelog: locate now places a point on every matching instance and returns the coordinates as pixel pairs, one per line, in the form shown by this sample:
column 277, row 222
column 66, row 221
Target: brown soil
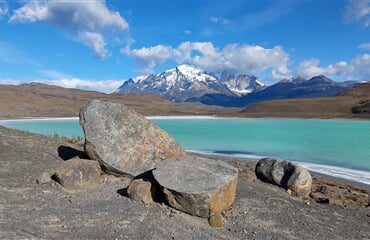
column 46, row 211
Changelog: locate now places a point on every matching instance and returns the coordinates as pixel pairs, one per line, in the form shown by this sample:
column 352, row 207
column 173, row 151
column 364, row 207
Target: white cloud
column 96, row 42
column 188, row 32
column 149, row 58
column 235, row 58
column 3, row 8
column 358, row 68
column 358, row 11
column 87, row 21
column 53, row 74
column 10, row 82
column 105, row 86
column 365, row 46
column 220, row 20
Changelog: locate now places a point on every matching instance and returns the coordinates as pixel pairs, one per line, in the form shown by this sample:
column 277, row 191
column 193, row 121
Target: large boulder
column 286, row 174
column 123, row 141
column 78, row 174
column 197, row 185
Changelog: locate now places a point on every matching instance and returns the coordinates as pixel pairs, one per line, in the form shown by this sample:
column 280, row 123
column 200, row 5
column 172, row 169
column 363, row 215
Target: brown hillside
column 41, row 100
column 353, row 103
column 362, row 91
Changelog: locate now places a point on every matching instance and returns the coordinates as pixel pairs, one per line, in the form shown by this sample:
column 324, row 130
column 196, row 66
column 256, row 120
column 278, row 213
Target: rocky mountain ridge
column 188, row 84
column 297, row 87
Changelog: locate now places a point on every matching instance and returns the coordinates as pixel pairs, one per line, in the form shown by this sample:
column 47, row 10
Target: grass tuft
column 71, row 140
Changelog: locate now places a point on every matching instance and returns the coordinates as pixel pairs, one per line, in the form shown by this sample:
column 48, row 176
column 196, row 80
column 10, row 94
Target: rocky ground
column 29, row 210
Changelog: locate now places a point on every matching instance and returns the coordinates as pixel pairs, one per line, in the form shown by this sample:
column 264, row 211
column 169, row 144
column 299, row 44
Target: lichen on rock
column 122, row 140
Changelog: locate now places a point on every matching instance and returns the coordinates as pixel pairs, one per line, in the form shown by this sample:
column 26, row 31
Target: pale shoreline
column 189, row 117
column 39, row 119
column 345, row 174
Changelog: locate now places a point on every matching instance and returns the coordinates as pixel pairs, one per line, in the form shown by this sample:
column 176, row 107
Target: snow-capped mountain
column 241, row 84
column 187, row 83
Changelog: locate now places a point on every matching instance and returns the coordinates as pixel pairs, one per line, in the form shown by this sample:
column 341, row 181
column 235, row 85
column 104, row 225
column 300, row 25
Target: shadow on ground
column 66, row 153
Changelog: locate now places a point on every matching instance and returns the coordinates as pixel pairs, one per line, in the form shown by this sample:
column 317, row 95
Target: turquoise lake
column 336, row 147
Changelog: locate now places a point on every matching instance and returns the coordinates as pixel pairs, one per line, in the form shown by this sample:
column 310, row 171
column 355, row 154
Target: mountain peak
column 321, row 79
column 296, row 79
column 188, row 68
column 241, row 84
column 182, row 83
column 189, row 83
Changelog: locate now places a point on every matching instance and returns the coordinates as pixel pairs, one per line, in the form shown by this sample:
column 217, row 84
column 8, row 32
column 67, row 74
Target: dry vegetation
column 40, row 100
column 353, row 103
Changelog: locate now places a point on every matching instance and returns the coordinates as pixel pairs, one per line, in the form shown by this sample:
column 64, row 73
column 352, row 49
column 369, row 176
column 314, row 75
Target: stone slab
column 197, row 185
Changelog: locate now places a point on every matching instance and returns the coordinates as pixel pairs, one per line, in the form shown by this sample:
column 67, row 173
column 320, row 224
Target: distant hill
column 319, row 86
column 352, row 103
column 362, row 93
column 41, row 100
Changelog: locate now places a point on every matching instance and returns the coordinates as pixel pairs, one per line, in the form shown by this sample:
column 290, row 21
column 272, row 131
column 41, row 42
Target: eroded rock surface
column 123, row 141
column 78, row 174
column 143, row 191
column 197, row 185
column 286, row 174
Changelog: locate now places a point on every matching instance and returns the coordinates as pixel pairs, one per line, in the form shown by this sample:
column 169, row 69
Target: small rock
column 197, row 185
column 216, row 220
column 337, row 195
column 285, row 174
column 336, row 202
column 142, row 191
column 44, row 178
column 122, row 140
column 78, row 174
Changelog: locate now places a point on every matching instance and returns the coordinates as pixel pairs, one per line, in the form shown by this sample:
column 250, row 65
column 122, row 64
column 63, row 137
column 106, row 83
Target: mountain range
column 298, row 87
column 189, row 84
column 41, row 100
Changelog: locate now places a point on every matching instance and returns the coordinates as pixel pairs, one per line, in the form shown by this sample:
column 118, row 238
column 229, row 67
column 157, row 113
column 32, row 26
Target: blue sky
column 98, row 44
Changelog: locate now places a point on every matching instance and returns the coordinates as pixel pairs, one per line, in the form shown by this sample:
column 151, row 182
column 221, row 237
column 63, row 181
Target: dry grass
column 340, row 106
column 40, row 100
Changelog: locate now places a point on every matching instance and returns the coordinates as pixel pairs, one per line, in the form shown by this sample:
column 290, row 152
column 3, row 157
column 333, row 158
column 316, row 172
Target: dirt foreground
column 29, row 210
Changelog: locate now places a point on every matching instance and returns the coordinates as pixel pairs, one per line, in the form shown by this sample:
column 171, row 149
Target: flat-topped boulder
column 197, row 185
column 122, row 140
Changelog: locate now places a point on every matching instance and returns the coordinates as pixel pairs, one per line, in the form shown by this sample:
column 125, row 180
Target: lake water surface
column 335, row 147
